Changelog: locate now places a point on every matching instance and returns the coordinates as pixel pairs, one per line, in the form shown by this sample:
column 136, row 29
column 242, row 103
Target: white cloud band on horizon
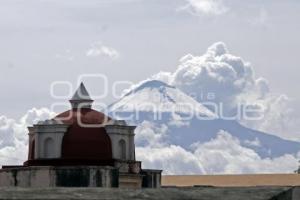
column 221, row 155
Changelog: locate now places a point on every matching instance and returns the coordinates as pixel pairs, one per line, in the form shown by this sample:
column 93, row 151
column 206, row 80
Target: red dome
column 81, row 142
column 84, row 115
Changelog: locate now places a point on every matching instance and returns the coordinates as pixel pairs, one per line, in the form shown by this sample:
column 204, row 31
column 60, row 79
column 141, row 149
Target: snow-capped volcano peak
column 157, row 96
column 144, row 104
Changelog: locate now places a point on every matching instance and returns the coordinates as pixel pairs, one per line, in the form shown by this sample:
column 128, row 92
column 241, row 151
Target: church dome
column 85, row 141
column 86, row 137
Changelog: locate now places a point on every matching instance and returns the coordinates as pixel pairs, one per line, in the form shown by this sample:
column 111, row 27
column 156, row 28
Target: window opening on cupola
column 122, row 148
column 48, row 148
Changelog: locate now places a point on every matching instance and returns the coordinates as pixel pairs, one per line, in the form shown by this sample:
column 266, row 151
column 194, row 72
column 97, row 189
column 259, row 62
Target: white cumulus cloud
column 14, row 137
column 233, row 82
column 149, row 134
column 205, row 7
column 221, row 155
column 172, row 159
column 98, row 49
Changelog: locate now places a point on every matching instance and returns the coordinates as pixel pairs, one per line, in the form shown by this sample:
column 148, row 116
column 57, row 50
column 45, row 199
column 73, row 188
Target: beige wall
column 233, row 180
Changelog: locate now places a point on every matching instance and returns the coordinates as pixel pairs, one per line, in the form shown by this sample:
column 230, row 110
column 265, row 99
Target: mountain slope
column 156, row 96
column 163, row 105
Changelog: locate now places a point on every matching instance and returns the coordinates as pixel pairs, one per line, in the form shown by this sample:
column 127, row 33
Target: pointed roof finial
column 81, row 98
